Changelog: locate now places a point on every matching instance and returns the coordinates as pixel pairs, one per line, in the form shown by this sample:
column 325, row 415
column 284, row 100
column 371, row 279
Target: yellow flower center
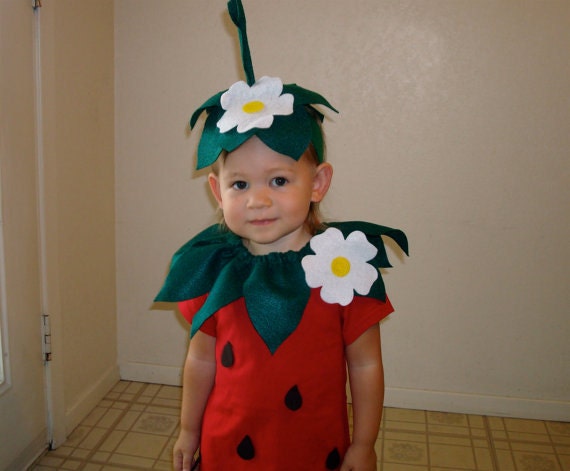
column 340, row 266
column 253, row 107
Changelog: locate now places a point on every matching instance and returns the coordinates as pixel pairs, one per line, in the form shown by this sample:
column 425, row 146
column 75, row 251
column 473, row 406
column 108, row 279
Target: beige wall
column 454, row 126
column 78, row 75
column 77, row 194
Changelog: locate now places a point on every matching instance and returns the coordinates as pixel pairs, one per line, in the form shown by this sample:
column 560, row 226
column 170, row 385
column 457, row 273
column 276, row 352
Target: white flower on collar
column 254, row 107
column 340, row 266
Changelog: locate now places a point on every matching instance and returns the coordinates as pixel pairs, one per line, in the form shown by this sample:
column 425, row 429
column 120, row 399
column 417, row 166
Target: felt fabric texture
column 287, row 410
column 217, row 264
column 279, row 397
column 237, row 14
column 289, row 134
column 248, row 107
column 340, row 265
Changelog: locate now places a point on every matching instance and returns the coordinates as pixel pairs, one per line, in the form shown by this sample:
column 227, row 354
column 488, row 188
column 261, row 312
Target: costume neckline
column 232, row 238
column 216, row 263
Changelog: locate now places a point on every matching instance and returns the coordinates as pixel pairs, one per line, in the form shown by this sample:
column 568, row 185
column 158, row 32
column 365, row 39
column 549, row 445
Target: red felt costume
column 285, row 411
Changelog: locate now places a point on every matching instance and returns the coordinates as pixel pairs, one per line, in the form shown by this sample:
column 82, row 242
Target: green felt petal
column 232, row 139
column 378, row 290
column 374, row 232
column 276, row 317
column 211, row 102
column 210, row 145
column 306, row 97
column 227, row 288
column 289, row 135
column 213, row 141
column 196, row 265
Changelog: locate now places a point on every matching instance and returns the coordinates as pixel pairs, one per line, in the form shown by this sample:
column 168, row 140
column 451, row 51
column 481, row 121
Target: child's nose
column 259, row 198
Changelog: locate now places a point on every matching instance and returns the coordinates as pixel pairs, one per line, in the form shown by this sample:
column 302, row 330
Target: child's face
column 265, row 196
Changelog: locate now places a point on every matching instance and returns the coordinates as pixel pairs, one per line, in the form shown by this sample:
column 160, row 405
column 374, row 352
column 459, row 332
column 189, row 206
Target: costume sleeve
column 190, row 307
column 361, row 314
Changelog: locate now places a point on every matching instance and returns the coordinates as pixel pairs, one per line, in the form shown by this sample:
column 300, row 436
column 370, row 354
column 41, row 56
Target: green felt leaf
column 227, row 289
column 275, row 317
column 306, row 97
column 211, row 102
column 210, row 146
column 196, row 265
column 215, row 262
column 289, row 135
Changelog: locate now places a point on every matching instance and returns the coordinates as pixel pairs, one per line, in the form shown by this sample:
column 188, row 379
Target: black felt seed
column 245, row 449
column 333, row 460
column 293, row 399
column 228, row 358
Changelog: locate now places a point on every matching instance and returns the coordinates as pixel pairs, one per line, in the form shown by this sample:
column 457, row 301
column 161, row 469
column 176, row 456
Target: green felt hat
column 282, row 116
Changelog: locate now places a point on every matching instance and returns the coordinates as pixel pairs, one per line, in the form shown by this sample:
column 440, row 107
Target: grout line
column 110, row 429
column 427, row 433
column 494, row 458
column 383, row 432
column 148, row 397
column 89, row 458
column 553, row 445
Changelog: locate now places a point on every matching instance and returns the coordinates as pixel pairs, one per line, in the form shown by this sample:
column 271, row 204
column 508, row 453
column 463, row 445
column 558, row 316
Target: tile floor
column 135, row 425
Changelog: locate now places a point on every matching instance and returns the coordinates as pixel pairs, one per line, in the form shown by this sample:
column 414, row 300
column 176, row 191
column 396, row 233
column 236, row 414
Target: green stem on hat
column 237, row 14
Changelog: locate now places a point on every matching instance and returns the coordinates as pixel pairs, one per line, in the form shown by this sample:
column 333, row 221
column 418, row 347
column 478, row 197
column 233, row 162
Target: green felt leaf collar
column 215, row 262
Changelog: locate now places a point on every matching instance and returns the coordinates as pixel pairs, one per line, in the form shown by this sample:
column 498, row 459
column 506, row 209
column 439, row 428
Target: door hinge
column 46, row 338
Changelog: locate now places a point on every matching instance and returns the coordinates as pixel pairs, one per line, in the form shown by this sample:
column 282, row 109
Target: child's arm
column 366, row 374
column 199, row 372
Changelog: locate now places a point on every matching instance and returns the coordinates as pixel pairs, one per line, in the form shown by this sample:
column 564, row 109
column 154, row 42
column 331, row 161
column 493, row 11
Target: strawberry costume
column 279, row 399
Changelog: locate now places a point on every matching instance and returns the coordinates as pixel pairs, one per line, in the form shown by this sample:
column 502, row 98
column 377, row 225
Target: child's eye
column 279, row 181
column 239, row 185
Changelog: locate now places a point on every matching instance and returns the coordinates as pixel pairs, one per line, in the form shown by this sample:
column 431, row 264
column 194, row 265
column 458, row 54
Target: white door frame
column 54, row 393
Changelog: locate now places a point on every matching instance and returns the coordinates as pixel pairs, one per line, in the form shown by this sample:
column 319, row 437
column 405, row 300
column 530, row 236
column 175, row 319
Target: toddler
column 280, row 303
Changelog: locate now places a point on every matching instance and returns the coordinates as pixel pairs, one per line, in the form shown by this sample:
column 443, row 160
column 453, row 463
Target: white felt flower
column 340, row 266
column 254, row 107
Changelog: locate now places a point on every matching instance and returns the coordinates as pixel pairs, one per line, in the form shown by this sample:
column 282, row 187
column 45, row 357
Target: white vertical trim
column 41, row 207
column 5, row 380
column 56, row 433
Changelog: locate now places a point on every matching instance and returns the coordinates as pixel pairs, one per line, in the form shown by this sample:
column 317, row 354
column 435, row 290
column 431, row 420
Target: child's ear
column 321, row 181
column 214, row 182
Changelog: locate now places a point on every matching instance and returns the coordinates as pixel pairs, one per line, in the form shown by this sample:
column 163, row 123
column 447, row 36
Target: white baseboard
column 441, row 401
column 90, row 398
column 29, row 455
column 479, row 404
column 148, row 373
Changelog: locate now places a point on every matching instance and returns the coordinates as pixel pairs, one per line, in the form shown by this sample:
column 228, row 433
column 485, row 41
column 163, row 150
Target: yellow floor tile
column 142, row 444
column 536, row 461
column 405, row 415
column 405, row 452
column 450, row 456
column 403, row 467
column 136, row 425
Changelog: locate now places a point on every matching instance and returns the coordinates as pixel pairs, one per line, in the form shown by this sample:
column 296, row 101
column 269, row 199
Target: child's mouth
column 261, row 222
